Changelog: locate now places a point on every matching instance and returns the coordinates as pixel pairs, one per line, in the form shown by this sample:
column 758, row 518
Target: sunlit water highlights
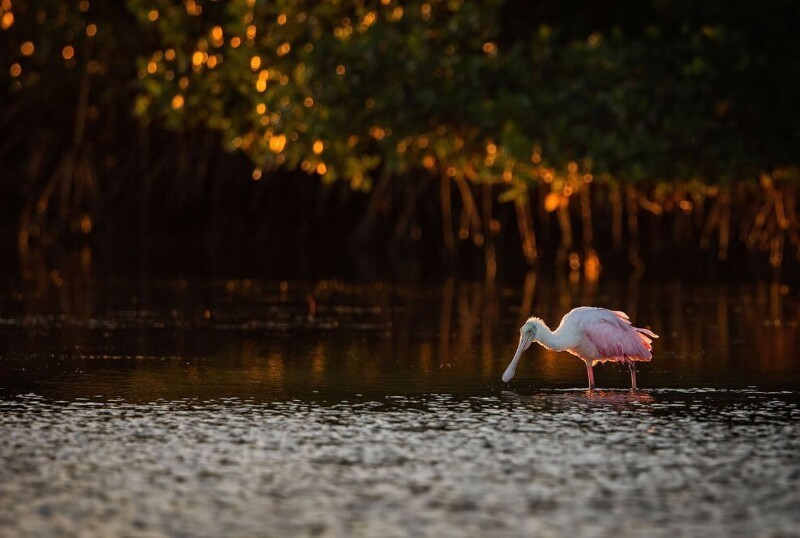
column 720, row 463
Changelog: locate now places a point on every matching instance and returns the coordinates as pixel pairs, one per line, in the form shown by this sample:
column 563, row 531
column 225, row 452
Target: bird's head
column 531, row 328
column 527, row 335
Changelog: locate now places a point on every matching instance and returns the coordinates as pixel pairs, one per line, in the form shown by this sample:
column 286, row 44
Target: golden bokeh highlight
column 7, row 21
column 86, row 224
column 193, row 8
column 551, row 202
column 369, row 19
column 27, row 48
column 277, row 143
column 217, row 36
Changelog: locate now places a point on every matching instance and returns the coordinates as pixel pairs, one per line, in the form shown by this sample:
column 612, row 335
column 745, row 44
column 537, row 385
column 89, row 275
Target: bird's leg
column 632, row 366
column 591, row 374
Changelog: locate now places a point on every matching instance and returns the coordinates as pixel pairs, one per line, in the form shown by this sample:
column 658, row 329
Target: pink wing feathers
column 611, row 333
column 646, row 335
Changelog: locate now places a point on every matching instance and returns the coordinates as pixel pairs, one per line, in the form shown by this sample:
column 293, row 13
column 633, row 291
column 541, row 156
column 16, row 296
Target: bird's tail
column 646, row 336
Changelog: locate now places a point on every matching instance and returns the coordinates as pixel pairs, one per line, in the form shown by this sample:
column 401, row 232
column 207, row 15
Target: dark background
column 684, row 114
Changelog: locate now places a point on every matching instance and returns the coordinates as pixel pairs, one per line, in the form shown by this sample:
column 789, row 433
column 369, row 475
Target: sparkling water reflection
column 719, row 463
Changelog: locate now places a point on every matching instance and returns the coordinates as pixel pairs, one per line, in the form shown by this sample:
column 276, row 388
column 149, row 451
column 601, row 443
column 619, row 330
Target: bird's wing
column 645, row 335
column 621, row 315
column 614, row 338
column 648, row 332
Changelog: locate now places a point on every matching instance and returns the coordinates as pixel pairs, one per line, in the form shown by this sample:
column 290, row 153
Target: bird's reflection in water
column 618, row 400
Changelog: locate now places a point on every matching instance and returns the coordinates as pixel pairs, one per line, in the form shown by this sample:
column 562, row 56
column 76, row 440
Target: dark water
column 242, row 407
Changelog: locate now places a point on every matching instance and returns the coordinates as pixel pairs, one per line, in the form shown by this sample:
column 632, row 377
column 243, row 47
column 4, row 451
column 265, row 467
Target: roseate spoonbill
column 591, row 334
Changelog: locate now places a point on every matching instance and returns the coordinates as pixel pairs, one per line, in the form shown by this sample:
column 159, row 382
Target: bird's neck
column 553, row 340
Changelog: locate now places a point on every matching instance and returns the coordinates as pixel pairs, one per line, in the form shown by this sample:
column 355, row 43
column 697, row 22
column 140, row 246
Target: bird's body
column 591, row 334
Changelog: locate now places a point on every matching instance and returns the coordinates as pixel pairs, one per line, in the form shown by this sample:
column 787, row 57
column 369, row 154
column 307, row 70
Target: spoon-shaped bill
column 524, row 343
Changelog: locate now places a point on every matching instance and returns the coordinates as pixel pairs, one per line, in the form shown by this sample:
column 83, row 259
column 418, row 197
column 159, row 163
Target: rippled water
column 252, row 408
column 717, row 463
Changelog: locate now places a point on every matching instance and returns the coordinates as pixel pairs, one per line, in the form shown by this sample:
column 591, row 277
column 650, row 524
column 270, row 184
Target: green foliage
column 495, row 91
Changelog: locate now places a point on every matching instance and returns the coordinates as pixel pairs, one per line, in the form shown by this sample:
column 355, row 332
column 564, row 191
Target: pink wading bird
column 591, row 334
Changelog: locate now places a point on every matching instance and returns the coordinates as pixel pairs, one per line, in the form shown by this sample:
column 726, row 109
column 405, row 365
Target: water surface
column 244, row 407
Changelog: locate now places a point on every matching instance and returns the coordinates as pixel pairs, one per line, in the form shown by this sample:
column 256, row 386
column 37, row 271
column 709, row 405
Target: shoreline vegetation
column 575, row 135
